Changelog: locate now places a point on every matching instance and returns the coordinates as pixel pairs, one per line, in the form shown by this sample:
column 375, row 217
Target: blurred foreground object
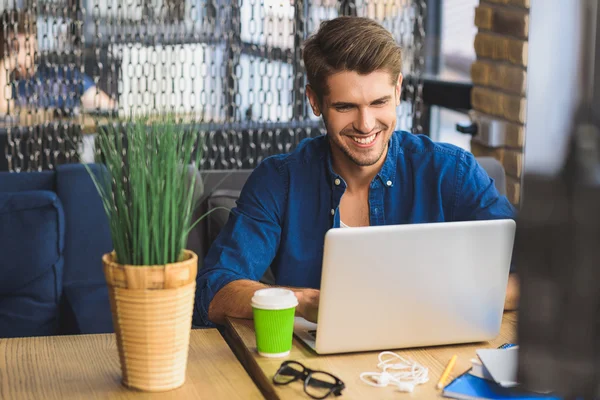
column 557, row 247
column 558, row 256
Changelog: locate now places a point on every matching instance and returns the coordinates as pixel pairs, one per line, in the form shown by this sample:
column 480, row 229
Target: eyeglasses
column 317, row 384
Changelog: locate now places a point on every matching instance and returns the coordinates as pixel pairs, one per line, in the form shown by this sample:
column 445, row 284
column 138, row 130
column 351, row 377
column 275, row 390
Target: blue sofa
column 53, row 232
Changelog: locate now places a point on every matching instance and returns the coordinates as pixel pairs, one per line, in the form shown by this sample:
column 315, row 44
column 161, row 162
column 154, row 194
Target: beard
column 361, row 158
column 358, row 159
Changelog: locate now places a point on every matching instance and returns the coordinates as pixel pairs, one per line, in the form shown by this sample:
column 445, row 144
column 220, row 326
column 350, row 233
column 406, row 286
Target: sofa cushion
column 221, row 201
column 31, row 247
column 85, row 307
column 27, row 181
column 214, row 181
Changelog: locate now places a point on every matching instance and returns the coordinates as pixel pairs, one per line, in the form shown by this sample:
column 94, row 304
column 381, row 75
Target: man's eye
column 342, row 108
column 380, row 103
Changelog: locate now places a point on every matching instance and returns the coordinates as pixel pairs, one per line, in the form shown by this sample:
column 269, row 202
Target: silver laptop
column 399, row 286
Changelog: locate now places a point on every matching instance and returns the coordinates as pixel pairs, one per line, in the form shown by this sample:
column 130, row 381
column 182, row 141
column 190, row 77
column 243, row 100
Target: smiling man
column 361, row 173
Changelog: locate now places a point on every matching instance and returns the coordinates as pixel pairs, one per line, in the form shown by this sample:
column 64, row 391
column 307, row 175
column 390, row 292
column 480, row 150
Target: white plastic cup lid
column 274, row 299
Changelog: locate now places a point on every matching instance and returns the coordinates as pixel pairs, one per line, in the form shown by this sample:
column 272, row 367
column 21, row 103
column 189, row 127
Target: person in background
column 29, row 85
column 361, row 173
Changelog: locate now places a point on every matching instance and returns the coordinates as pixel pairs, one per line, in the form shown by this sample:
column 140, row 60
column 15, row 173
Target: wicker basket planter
column 152, row 315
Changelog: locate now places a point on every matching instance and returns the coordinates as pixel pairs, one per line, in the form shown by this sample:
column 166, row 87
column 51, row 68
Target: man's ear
column 314, row 100
column 398, row 89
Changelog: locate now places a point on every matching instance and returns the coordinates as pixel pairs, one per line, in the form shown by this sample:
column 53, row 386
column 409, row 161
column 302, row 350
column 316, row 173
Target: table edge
column 246, row 358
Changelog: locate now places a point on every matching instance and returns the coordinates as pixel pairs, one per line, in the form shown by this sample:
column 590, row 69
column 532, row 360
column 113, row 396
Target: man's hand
column 233, row 300
column 511, row 302
column 308, row 304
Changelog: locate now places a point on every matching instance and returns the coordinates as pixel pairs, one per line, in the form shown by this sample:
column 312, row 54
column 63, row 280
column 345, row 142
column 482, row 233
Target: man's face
column 359, row 113
column 23, row 63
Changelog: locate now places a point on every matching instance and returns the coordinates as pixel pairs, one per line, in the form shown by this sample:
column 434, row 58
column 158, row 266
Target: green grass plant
column 147, row 189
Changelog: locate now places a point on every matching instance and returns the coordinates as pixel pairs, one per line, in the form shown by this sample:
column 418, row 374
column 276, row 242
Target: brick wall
column 500, row 77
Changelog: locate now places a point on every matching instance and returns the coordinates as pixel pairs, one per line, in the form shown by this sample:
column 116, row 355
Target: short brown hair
column 349, row 44
column 11, row 20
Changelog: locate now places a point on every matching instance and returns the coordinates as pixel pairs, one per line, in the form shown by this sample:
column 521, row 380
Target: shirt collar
column 388, row 169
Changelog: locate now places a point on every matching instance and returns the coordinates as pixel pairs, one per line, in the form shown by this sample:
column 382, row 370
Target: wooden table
column 87, row 367
column 348, row 367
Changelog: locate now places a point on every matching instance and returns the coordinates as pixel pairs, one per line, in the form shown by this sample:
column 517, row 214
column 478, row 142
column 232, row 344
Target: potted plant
column 148, row 195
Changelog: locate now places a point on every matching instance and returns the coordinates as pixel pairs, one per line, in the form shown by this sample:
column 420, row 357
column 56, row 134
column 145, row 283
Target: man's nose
column 365, row 122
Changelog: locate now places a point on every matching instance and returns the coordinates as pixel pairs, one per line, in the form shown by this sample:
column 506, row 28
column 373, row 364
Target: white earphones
column 396, row 370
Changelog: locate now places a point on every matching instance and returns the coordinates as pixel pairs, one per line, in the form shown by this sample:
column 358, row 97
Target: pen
column 507, row 346
column 444, row 376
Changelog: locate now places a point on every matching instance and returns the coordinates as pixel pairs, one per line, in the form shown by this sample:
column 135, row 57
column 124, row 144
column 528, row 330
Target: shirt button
column 389, row 183
column 332, row 211
column 337, row 182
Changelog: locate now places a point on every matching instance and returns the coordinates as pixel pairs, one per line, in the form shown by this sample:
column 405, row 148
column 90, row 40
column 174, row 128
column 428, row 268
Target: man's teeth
column 365, row 140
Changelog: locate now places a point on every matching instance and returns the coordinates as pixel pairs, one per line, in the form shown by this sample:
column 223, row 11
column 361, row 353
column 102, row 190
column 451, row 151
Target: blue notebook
column 470, row 387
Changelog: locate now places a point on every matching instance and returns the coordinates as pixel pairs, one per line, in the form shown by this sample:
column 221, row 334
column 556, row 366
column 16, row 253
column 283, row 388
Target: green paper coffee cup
column 273, row 310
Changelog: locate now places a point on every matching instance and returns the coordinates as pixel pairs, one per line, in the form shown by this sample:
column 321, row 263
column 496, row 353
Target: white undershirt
column 343, row 225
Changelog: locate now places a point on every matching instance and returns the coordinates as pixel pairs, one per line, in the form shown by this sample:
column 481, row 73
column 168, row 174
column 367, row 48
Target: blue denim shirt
column 291, row 200
column 60, row 87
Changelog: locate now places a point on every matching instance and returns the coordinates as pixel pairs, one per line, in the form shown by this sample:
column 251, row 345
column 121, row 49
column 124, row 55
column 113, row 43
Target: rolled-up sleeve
column 248, row 242
column 476, row 197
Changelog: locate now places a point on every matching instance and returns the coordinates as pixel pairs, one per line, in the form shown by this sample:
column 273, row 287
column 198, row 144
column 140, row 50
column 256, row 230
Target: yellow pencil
column 444, row 376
